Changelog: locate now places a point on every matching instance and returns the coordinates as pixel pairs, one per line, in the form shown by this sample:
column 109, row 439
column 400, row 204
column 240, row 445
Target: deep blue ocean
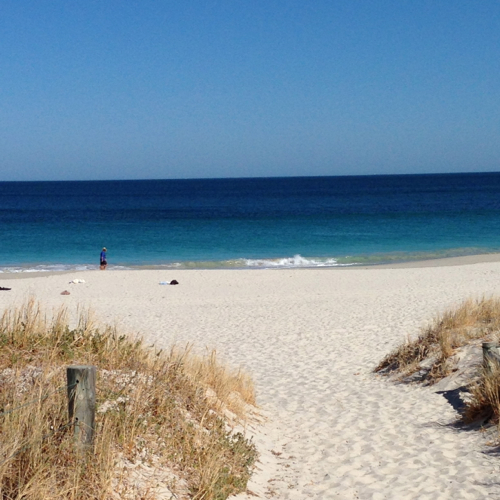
column 247, row 223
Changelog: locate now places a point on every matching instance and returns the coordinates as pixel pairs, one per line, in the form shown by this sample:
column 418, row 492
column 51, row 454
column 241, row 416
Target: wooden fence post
column 81, row 402
column 491, row 356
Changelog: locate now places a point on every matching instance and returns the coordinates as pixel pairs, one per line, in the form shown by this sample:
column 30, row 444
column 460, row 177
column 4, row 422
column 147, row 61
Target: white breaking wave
column 295, row 261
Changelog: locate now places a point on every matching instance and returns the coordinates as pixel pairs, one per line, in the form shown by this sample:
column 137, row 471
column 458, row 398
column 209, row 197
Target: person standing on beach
column 103, row 260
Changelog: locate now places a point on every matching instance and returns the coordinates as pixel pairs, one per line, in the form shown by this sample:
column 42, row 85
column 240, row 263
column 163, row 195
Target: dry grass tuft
column 471, row 321
column 227, row 390
column 484, row 404
column 153, row 413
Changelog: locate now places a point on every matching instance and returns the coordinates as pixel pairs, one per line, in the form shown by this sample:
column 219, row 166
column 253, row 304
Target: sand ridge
column 310, row 339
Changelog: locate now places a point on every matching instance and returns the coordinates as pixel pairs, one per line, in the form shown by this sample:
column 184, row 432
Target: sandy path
column 310, row 338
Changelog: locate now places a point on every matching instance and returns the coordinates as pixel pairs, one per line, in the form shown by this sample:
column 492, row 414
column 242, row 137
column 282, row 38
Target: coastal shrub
column 162, row 425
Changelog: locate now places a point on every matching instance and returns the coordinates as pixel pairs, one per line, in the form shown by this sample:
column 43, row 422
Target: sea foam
column 291, row 262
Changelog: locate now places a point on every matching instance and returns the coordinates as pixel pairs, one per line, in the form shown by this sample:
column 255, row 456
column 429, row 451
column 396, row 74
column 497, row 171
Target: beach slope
column 310, row 339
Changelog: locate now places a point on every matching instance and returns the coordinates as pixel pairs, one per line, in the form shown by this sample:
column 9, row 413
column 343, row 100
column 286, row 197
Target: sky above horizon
column 195, row 89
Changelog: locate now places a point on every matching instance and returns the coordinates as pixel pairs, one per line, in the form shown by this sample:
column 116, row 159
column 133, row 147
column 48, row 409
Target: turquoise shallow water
column 247, row 223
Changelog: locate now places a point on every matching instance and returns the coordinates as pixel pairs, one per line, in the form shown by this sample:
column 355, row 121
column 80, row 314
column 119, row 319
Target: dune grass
column 161, row 411
column 484, row 403
column 431, row 354
column 472, row 320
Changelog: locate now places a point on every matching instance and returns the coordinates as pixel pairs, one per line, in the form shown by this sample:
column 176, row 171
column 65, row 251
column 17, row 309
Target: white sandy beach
column 310, row 339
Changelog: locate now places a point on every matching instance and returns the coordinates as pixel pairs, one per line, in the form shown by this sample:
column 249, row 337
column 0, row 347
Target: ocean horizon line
column 406, row 174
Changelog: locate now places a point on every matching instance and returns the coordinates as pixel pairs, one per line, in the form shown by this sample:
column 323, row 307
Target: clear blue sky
column 231, row 88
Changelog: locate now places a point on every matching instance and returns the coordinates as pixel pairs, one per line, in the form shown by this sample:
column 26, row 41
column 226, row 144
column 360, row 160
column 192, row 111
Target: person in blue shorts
column 103, row 261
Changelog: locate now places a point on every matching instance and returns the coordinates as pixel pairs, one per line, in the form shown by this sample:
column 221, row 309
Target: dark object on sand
column 174, row 282
column 65, row 292
column 3, row 288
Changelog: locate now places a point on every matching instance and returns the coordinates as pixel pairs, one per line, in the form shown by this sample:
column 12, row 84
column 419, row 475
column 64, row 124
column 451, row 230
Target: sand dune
column 310, row 339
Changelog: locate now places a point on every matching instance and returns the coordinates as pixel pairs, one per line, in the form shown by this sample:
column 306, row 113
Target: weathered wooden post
column 81, row 402
column 491, row 357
